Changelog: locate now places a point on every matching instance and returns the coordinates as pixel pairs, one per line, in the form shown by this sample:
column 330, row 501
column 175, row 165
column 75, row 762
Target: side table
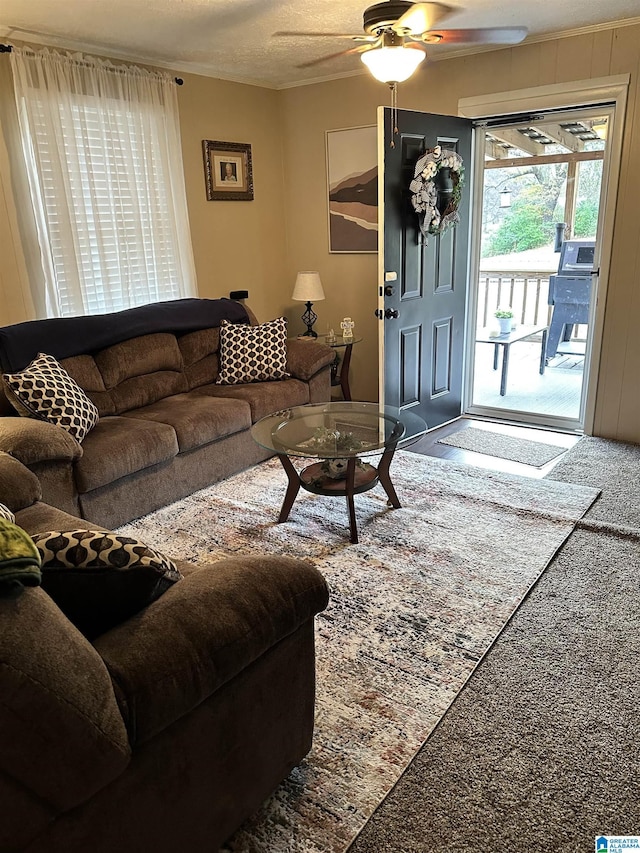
column 342, row 378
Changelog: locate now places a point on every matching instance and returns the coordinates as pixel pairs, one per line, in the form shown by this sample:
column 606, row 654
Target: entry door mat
column 534, row 453
column 414, row 607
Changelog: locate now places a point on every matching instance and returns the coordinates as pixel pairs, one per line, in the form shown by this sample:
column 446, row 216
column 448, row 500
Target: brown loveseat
column 166, row 731
column 166, row 428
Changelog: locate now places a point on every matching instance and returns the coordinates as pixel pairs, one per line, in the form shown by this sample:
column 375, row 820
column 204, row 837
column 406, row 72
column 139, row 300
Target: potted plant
column 505, row 319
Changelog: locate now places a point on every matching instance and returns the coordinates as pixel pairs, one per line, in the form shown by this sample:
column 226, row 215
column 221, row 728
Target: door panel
column 410, row 346
column 442, row 356
column 423, row 346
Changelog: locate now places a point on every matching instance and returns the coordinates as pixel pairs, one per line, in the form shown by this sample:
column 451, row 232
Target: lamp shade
column 392, row 64
column 308, row 287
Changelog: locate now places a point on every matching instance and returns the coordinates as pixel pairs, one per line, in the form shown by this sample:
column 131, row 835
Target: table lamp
column 308, row 288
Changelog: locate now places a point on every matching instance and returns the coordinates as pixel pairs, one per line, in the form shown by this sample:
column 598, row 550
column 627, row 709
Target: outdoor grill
column 570, row 291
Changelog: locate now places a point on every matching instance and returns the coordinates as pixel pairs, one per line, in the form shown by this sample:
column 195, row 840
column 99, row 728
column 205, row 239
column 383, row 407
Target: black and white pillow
column 252, row 353
column 100, row 579
column 44, row 390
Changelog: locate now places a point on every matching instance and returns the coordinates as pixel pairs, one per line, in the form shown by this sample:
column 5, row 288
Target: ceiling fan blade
column 421, row 17
column 359, row 49
column 360, row 37
column 487, row 35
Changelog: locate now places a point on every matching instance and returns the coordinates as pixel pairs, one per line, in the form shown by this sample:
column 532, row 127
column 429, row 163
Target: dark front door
column 423, row 294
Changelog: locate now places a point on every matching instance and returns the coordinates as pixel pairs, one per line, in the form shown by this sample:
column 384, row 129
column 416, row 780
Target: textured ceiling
column 234, row 39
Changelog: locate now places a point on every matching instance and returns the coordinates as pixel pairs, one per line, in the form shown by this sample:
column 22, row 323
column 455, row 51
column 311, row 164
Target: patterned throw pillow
column 5, row 512
column 101, row 579
column 44, row 390
column 252, row 353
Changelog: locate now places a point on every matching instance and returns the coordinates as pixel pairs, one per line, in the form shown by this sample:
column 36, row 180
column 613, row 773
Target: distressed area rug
column 414, row 606
column 535, row 453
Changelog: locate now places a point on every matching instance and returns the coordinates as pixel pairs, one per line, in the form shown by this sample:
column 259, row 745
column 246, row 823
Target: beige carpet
column 413, row 609
column 536, row 453
column 539, row 751
column 612, row 466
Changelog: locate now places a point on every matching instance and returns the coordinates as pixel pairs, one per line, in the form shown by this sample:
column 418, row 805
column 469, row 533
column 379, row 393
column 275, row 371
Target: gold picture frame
column 228, row 170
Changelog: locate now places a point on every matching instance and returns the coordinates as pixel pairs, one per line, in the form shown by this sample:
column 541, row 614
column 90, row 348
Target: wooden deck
column 556, row 392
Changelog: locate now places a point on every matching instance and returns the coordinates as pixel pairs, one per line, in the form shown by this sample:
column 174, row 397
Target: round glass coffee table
column 340, row 435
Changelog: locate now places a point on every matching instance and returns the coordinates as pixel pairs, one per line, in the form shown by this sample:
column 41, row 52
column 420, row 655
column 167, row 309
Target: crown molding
column 583, row 31
column 471, row 51
column 359, row 72
column 46, row 39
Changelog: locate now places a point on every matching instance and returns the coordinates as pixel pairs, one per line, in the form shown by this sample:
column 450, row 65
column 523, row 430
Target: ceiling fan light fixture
column 393, row 64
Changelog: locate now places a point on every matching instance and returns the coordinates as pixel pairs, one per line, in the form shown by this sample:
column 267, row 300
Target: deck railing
column 525, row 292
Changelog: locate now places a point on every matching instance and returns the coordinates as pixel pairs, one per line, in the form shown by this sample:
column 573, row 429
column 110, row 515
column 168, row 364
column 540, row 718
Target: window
column 102, row 153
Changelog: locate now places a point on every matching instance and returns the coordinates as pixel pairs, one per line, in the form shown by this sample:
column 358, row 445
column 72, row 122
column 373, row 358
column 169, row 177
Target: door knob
column 391, row 313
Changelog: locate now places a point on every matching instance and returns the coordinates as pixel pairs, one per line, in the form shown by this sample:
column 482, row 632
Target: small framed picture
column 228, row 171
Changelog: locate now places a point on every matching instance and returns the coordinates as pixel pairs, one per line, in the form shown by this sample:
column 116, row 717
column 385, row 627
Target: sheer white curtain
column 104, row 161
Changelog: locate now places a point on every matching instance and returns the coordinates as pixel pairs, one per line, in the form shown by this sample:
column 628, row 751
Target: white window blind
column 103, row 156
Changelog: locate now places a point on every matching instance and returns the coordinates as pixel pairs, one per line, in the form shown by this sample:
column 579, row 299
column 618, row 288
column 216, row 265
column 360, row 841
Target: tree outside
column 537, row 204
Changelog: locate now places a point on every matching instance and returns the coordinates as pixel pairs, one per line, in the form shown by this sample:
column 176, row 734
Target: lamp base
column 309, row 318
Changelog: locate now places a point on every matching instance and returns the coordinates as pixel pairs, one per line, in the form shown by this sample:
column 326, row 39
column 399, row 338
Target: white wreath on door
column 424, row 190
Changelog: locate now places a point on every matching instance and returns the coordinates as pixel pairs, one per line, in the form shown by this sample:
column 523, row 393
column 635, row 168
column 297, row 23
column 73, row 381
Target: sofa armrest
column 31, row 440
column 19, row 487
column 63, row 737
column 40, row 517
column 202, row 632
column 306, row 358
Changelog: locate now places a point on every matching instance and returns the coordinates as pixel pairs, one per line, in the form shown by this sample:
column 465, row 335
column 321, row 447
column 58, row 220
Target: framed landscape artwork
column 352, row 179
column 228, row 171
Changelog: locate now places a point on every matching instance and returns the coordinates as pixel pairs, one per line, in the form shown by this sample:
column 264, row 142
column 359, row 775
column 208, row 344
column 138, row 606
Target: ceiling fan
column 396, row 32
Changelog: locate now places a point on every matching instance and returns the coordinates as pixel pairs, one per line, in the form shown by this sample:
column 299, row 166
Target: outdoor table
column 521, row 333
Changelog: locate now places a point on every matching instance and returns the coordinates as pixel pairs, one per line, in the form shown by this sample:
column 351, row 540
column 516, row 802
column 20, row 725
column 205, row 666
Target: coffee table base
column 358, row 479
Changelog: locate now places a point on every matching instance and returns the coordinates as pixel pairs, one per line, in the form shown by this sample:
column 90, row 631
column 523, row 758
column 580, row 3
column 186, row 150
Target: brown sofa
column 165, row 429
column 166, row 731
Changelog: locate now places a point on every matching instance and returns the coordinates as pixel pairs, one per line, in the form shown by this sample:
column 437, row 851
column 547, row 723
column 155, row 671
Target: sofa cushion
column 253, row 353
column 196, row 419
column 263, row 397
column 200, row 356
column 142, row 370
column 204, row 631
column 84, row 370
column 118, row 447
column 100, row 579
column 44, row 390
